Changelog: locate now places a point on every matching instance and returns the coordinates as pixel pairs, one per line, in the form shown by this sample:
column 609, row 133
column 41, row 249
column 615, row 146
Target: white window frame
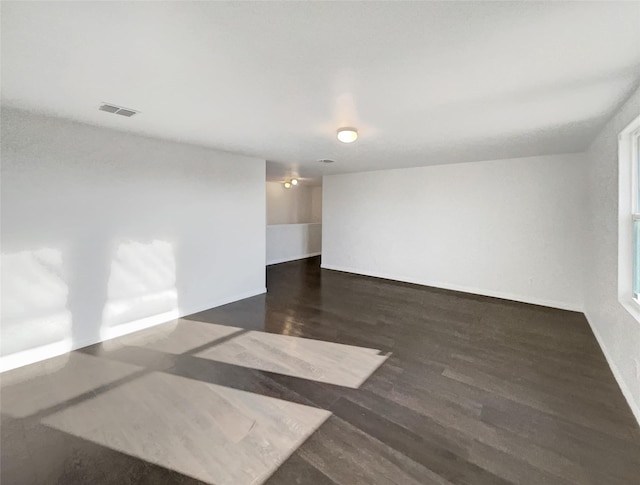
column 628, row 211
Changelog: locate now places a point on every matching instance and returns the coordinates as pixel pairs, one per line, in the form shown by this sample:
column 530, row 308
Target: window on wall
column 629, row 219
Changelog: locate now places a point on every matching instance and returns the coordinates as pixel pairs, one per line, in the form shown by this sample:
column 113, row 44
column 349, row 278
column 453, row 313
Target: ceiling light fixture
column 288, row 183
column 347, row 135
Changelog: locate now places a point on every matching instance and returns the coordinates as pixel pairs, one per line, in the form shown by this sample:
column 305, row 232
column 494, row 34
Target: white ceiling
column 424, row 82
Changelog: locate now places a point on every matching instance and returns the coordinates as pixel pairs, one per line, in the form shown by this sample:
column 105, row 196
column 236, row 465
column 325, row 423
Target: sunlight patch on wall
column 141, row 290
column 36, row 323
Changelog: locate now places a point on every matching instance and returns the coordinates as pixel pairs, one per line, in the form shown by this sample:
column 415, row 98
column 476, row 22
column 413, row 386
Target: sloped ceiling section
column 424, row 82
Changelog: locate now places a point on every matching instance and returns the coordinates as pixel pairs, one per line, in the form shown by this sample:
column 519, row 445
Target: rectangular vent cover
column 118, row 110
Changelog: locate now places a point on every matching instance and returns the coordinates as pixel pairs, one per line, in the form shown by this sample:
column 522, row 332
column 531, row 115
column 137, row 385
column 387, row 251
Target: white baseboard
column 116, row 331
column 31, row 356
column 626, row 392
column 292, row 258
column 464, row 289
column 224, row 301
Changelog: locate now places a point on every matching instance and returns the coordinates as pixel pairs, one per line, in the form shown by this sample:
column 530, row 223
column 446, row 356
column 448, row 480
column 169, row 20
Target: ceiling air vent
column 118, row 110
column 326, row 160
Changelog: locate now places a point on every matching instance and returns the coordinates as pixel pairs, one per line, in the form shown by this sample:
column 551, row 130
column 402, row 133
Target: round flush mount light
column 347, row 135
column 287, row 185
column 294, row 181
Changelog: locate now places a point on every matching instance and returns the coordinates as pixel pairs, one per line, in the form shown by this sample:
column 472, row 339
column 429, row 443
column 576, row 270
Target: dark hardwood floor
column 474, row 390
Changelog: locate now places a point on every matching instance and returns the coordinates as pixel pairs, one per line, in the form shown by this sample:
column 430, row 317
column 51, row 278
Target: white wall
column 316, row 203
column 294, row 219
column 105, row 232
column 507, row 228
column 617, row 331
column 288, row 206
column 288, row 242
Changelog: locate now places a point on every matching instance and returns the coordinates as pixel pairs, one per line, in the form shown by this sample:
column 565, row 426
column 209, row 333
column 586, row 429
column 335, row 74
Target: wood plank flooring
column 402, row 384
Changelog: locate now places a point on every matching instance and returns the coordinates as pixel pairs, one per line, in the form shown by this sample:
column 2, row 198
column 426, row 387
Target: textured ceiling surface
column 424, row 82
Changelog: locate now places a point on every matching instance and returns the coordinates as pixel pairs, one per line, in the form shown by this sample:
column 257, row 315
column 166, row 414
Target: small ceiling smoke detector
column 326, row 160
column 118, row 110
column 347, row 135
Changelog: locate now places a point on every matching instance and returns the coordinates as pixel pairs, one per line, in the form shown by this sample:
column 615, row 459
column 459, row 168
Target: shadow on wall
column 52, row 304
column 35, row 318
column 83, row 265
column 104, row 233
column 85, row 259
column 68, row 281
column 141, row 290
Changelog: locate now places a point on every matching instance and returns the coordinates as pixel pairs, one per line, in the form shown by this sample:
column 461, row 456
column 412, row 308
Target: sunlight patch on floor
column 316, row 360
column 210, row 432
column 43, row 385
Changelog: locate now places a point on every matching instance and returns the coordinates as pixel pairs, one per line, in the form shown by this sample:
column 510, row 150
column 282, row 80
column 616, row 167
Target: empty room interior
column 325, row 243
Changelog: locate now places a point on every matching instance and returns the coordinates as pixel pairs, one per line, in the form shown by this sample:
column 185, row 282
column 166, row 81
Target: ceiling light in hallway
column 347, row 135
